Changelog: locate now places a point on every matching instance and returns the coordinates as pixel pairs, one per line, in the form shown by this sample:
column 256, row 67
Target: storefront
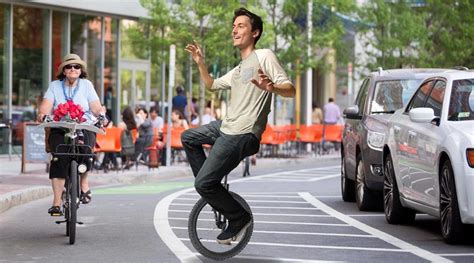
column 35, row 35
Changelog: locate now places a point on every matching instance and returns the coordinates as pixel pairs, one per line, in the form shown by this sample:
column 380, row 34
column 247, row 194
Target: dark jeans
column 226, row 153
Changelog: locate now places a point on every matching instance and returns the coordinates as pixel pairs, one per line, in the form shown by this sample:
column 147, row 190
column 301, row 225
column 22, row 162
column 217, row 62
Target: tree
column 395, row 32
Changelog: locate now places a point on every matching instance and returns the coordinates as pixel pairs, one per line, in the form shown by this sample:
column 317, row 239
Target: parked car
column 428, row 155
column 380, row 94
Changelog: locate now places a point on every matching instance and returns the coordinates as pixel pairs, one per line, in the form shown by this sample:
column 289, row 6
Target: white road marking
column 271, row 222
column 252, row 201
column 258, row 214
column 290, row 233
column 264, row 207
column 163, row 228
column 456, row 254
column 285, row 259
column 311, row 246
column 375, row 232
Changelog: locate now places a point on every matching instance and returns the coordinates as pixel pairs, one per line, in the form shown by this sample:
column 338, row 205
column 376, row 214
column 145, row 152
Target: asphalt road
column 298, row 212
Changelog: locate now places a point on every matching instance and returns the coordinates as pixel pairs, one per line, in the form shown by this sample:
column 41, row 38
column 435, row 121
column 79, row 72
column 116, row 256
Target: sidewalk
column 18, row 188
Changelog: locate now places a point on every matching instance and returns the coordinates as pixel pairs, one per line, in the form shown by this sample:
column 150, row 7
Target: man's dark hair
column 255, row 21
column 331, row 100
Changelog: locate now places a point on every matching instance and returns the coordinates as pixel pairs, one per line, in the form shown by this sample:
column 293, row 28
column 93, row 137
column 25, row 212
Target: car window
column 362, row 95
column 418, row 100
column 391, row 95
column 435, row 100
column 461, row 102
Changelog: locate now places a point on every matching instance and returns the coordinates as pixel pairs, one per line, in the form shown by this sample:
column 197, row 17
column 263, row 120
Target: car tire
column 395, row 213
column 365, row 198
column 452, row 228
column 347, row 185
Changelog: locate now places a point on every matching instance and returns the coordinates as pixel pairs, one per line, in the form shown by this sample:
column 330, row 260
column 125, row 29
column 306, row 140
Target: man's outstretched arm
column 195, row 50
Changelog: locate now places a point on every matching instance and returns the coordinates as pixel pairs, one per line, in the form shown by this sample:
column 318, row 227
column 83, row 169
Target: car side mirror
column 422, row 115
column 352, row 112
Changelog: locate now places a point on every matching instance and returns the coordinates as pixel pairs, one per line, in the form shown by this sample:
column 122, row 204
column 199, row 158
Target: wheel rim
column 446, row 201
column 388, row 188
column 360, row 181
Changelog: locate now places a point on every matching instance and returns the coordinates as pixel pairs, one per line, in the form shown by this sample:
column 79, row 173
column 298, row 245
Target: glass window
column 27, row 69
column 85, row 41
column 435, row 100
column 420, row 96
column 461, row 102
column 57, row 41
column 110, row 66
column 3, row 85
column 362, row 95
column 392, row 95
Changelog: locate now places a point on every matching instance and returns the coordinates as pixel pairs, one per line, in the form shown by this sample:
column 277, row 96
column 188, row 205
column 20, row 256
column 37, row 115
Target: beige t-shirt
column 249, row 105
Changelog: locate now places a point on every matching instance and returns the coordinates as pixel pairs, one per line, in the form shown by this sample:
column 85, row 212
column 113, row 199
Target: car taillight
column 470, row 157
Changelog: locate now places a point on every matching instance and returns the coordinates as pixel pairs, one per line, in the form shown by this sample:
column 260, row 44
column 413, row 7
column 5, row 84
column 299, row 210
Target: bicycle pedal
column 56, row 214
column 60, row 222
column 80, row 223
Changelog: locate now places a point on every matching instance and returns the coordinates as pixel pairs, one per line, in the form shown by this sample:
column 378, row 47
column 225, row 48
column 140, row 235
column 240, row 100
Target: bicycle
column 205, row 223
column 72, row 189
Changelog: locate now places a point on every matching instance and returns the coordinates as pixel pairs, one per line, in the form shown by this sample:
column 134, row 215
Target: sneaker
column 235, row 229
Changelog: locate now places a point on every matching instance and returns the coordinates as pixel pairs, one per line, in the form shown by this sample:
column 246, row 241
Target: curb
column 23, row 196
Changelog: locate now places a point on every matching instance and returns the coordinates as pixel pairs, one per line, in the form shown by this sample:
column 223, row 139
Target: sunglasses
column 75, row 66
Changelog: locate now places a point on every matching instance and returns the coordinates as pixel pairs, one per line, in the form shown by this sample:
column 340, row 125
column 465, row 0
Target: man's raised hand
column 263, row 82
column 195, row 50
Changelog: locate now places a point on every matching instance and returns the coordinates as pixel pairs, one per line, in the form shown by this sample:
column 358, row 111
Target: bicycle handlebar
column 72, row 126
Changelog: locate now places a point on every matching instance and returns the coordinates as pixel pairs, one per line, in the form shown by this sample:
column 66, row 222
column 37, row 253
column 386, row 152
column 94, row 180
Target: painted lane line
column 375, row 232
column 263, row 207
column 270, row 222
column 258, row 214
column 289, row 233
column 284, row 259
column 163, row 228
column 456, row 254
column 252, row 201
column 325, row 177
column 311, row 246
column 260, row 196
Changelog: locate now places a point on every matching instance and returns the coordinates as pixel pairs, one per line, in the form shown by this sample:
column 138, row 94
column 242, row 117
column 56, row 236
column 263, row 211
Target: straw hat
column 72, row 59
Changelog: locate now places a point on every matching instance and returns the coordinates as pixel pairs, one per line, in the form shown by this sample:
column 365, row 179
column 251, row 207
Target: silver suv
column 380, row 95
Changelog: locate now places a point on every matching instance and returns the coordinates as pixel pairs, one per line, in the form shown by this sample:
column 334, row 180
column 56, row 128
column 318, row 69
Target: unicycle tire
column 73, row 201
column 203, row 230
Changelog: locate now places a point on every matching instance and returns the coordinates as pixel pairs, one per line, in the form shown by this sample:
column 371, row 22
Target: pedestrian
column 179, row 101
column 156, row 120
column 73, row 86
column 332, row 112
column 252, row 83
column 317, row 114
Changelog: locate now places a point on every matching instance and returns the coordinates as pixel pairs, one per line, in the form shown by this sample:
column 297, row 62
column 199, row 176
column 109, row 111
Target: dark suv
column 380, row 94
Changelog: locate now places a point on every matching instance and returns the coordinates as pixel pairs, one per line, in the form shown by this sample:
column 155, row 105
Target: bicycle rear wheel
column 205, row 225
column 73, row 201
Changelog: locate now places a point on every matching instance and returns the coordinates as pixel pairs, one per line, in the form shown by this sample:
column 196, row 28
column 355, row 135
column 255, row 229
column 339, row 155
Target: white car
column 428, row 155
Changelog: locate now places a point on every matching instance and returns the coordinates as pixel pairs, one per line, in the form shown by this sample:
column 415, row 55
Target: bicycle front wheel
column 205, row 224
column 73, row 201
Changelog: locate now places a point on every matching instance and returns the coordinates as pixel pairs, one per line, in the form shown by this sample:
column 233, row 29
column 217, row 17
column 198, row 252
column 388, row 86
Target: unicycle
column 205, row 224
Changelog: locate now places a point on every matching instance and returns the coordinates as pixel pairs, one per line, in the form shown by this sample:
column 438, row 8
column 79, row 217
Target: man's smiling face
column 242, row 34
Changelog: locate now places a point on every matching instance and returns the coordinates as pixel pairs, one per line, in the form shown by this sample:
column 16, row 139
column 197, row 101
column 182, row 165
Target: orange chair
column 332, row 133
column 110, row 141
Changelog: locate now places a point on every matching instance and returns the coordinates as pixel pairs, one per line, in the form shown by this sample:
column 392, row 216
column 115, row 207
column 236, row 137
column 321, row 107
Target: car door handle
column 411, row 134
column 396, row 129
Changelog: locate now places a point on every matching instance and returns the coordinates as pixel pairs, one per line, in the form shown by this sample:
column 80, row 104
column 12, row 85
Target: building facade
column 35, row 35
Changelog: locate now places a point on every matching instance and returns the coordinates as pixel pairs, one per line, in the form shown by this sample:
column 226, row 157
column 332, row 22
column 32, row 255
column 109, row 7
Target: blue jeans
column 226, row 153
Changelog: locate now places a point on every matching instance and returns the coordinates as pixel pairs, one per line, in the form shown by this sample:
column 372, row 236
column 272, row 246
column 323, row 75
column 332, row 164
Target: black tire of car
column 365, row 198
column 395, row 213
column 452, row 228
column 347, row 185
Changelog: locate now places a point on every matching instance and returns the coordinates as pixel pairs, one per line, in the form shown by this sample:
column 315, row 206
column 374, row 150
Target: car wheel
column 365, row 198
column 452, row 227
column 395, row 213
column 347, row 185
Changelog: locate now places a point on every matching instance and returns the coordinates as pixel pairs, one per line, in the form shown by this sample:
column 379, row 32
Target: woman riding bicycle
column 71, row 85
column 252, row 84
